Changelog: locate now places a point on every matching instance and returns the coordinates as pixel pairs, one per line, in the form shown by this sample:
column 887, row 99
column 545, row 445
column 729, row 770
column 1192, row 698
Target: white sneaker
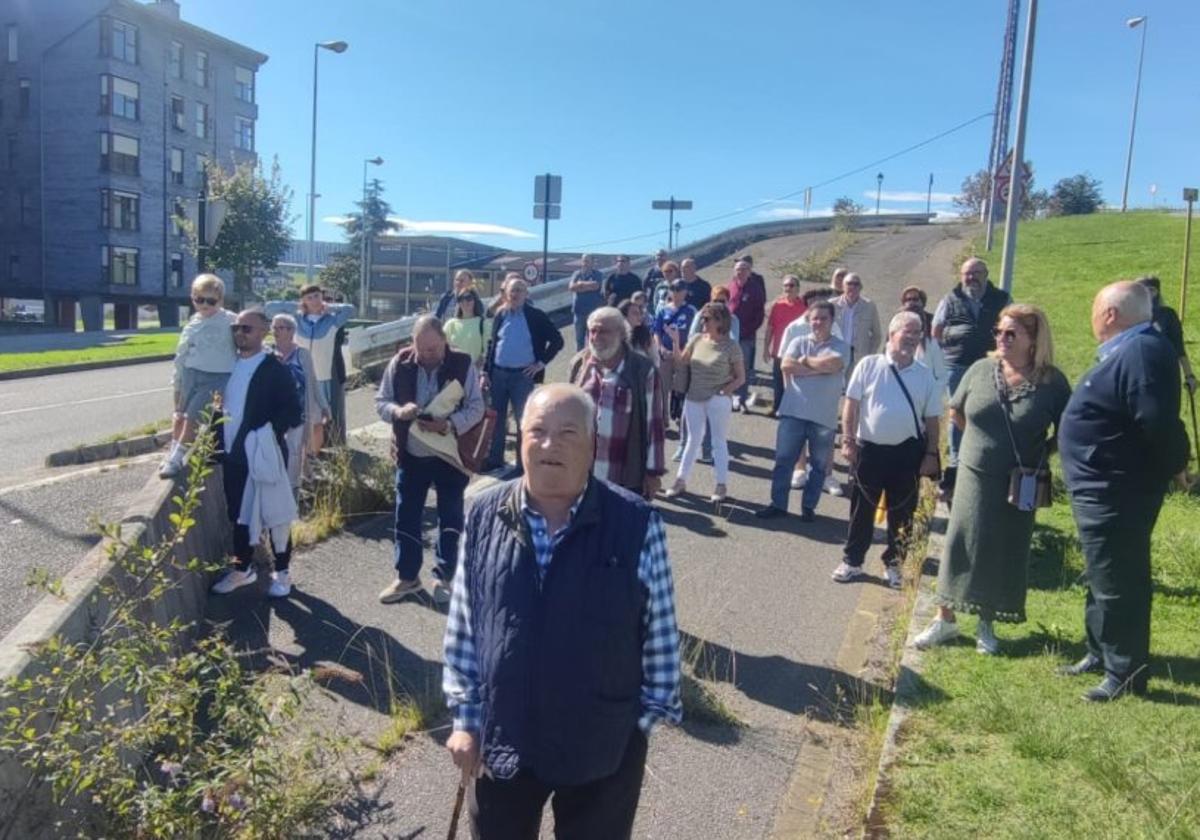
column 751, row 400
column 832, row 486
column 172, row 465
column 938, row 632
column 985, row 639
column 281, row 585
column 234, row 579
column 894, row 578
column 799, row 478
column 737, row 403
column 844, row 573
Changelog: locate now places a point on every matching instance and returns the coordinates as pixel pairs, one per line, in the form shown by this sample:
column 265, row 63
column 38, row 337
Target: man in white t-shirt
column 890, row 426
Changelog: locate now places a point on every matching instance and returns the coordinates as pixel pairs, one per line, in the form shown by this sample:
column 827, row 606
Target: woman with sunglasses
column 302, row 439
column 708, row 371
column 466, row 331
column 1006, row 406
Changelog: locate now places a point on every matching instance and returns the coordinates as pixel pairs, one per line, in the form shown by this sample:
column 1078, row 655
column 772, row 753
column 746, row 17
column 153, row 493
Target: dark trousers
column 511, row 809
column 894, row 471
column 413, row 480
column 234, row 473
column 1115, row 537
column 749, row 348
column 776, row 382
column 508, row 386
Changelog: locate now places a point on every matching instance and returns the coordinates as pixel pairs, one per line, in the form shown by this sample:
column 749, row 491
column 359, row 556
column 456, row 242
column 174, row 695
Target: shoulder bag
column 916, row 422
column 1028, row 488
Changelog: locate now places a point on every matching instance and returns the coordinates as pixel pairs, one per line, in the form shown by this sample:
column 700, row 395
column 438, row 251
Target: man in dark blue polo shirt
column 587, row 295
column 1121, row 442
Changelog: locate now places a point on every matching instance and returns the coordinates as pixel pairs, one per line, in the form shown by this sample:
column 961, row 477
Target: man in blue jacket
column 1121, row 442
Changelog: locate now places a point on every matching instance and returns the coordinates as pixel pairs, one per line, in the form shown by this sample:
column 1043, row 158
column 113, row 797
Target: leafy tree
column 344, row 272
column 1075, row 196
column 976, row 188
column 342, row 275
column 257, row 227
column 846, row 206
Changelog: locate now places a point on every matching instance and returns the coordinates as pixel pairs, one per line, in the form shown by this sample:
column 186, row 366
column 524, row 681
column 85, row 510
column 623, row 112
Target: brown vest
column 404, row 387
column 633, row 377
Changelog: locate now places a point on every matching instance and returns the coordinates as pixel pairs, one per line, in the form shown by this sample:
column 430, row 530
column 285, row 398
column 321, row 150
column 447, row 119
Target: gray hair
column 567, row 393
column 428, row 322
column 284, row 318
column 902, row 319
column 1133, row 302
column 612, row 315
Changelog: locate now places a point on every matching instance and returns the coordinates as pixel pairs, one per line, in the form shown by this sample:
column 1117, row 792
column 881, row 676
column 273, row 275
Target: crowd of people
column 562, row 646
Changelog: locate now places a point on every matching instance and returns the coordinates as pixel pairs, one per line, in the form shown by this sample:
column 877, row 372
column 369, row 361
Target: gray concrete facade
column 80, row 61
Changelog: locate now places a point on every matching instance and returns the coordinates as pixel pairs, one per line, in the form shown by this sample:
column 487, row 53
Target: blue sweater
column 1121, row 431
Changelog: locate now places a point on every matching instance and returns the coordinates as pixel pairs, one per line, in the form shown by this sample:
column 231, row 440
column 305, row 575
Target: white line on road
column 103, row 468
column 83, row 402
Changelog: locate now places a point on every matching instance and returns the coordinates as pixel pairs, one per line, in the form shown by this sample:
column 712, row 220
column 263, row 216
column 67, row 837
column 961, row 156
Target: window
column 23, row 98
column 119, row 97
column 119, row 40
column 14, row 268
column 202, row 68
column 10, row 152
column 201, row 120
column 243, row 133
column 175, row 60
column 175, row 278
column 201, row 163
column 177, row 166
column 119, row 265
column 26, row 208
column 243, row 84
column 178, row 214
column 12, row 43
column 120, row 210
column 119, row 153
column 178, row 119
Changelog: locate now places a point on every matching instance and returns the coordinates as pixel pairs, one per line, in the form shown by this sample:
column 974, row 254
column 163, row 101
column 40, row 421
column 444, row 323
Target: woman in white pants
column 708, row 370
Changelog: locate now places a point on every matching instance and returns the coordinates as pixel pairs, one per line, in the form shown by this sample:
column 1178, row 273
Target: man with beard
column 963, row 325
column 629, row 405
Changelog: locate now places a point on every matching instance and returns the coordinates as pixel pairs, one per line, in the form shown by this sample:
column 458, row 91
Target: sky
column 731, row 105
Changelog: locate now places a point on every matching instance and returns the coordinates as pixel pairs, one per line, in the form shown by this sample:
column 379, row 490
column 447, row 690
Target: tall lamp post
column 1134, row 23
column 337, row 47
column 362, row 231
column 878, row 191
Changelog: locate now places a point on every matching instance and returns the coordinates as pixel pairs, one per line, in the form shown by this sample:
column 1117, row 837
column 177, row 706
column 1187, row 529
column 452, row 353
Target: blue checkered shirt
column 660, row 648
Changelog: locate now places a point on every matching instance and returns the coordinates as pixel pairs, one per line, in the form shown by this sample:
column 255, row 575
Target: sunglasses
column 211, row 301
column 243, row 328
column 1011, row 335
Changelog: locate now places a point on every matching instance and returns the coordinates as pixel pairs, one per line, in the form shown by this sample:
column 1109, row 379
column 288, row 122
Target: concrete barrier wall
column 76, row 615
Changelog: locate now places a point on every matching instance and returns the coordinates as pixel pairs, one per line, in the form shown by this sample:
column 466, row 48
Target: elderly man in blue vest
column 1121, row 442
column 561, row 648
column 963, row 325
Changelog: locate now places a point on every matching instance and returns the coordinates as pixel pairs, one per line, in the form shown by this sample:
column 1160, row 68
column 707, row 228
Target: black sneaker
column 808, row 515
column 769, row 512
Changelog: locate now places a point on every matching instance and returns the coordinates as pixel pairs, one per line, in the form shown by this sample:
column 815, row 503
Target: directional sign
column 671, row 204
column 547, row 211
column 539, row 191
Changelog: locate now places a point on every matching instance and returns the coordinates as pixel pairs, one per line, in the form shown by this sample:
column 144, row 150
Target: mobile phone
column 426, row 417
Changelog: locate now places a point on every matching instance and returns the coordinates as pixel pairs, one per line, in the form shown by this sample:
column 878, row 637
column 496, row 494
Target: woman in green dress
column 1006, row 404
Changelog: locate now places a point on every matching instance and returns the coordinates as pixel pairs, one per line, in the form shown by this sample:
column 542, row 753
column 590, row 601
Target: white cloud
column 907, row 195
column 469, row 230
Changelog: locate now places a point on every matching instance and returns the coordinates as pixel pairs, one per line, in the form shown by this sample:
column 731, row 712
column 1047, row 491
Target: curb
column 80, row 366
column 91, row 453
column 907, row 680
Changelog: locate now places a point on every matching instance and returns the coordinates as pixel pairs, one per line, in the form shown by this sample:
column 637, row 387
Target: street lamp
column 362, row 232
column 1134, row 23
column 337, row 47
column 878, row 191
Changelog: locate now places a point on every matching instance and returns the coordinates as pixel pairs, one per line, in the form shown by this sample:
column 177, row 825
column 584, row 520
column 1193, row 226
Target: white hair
column 1133, row 302
column 902, row 319
column 565, row 392
column 612, row 315
column 285, row 318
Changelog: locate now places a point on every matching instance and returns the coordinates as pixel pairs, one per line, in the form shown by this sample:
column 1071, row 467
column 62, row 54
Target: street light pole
column 363, row 291
column 878, row 191
column 929, row 195
column 1014, row 189
column 337, row 47
column 1134, row 23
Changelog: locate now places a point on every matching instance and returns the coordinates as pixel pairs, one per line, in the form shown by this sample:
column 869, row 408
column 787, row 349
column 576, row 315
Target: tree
column 257, row 227
column 344, row 271
column 846, row 206
column 976, row 188
column 341, row 275
column 1075, row 196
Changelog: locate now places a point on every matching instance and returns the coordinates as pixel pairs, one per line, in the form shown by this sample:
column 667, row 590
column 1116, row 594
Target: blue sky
column 726, row 104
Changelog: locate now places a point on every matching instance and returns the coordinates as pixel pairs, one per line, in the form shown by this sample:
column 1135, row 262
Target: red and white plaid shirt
column 613, row 410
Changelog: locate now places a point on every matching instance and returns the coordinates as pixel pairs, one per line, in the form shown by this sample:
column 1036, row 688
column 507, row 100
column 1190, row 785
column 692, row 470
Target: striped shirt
column 660, row 647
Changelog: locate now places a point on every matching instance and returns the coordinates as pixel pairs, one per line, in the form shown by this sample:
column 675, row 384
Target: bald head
column 1119, row 306
column 569, row 401
column 558, row 443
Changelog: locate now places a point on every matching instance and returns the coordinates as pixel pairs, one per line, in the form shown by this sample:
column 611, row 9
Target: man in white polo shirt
column 890, row 439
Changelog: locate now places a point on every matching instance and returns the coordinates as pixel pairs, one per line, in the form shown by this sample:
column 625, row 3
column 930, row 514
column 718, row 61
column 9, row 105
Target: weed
column 701, row 704
column 816, row 267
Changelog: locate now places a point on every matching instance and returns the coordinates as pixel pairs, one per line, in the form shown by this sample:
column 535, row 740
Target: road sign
column 671, row 204
column 531, row 272
column 1191, row 194
column 547, row 211
column 540, row 195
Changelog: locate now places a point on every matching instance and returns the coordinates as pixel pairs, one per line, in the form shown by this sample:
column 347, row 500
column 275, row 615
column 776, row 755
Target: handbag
column 1028, row 488
column 476, row 442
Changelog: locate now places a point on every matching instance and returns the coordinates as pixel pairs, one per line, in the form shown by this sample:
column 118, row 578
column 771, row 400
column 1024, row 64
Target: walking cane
column 458, row 804
column 1195, row 437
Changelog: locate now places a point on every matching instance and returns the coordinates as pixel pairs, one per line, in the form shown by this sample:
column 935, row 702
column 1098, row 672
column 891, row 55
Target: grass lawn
column 1001, row 747
column 135, row 346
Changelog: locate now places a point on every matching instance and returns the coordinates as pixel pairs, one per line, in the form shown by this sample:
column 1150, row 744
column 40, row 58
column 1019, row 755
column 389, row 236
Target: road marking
column 103, row 468
column 83, row 402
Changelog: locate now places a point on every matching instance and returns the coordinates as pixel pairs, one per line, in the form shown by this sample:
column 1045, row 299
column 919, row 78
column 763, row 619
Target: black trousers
column 511, row 809
column 894, row 471
column 234, row 474
column 1116, row 549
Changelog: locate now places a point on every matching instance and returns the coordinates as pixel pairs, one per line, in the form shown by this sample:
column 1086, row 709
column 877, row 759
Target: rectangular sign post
column 547, row 205
column 1190, row 195
column 672, row 204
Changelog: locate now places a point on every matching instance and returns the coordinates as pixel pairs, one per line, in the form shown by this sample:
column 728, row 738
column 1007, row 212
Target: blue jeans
column 509, row 385
column 790, row 437
column 748, row 345
column 413, row 479
column 954, row 375
column 580, row 331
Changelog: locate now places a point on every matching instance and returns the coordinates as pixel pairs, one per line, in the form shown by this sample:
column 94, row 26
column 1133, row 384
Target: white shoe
column 832, row 486
column 894, row 578
column 737, row 403
column 938, row 632
column 718, row 495
column 676, row 489
column 751, row 400
column 799, row 478
column 281, row 585
column 985, row 639
column 172, row 465
column 234, row 579
column 844, row 573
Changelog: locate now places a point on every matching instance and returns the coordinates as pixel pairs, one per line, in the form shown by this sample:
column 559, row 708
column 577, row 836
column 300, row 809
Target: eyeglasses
column 243, row 328
column 974, row 274
column 283, row 328
column 1009, row 335
column 911, row 300
column 211, row 301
